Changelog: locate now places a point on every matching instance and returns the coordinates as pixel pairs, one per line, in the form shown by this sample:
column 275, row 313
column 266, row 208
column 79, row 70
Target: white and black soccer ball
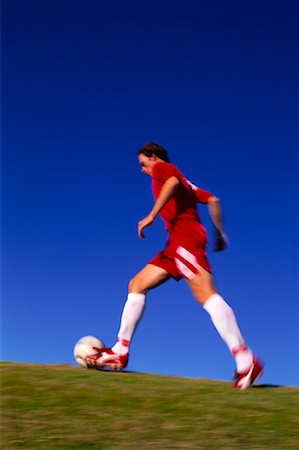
column 84, row 347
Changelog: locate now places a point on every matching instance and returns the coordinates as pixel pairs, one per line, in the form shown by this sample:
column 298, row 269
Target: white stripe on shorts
column 188, row 256
column 183, row 269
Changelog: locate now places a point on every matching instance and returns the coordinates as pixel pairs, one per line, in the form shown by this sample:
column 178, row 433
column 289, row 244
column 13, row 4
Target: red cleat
column 106, row 358
column 244, row 380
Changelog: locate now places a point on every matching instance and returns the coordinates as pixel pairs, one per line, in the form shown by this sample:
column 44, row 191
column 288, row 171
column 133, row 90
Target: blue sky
column 84, row 85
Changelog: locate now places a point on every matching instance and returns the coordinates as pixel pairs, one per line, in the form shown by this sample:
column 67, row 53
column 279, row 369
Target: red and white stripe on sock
column 121, row 347
column 124, row 342
column 243, row 356
column 243, row 348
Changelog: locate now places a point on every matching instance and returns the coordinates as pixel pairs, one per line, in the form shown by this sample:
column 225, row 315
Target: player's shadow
column 265, row 386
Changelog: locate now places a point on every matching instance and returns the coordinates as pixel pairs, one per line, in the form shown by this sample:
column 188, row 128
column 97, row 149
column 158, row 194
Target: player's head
column 150, row 154
column 151, row 148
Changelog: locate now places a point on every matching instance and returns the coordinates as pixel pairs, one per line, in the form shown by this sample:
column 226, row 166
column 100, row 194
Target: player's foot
column 106, row 358
column 244, row 380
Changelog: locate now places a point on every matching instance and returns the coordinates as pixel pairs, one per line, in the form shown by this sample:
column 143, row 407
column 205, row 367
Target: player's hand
column 221, row 241
column 146, row 222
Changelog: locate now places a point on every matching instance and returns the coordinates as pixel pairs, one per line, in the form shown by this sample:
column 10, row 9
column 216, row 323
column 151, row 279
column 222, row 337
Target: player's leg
column 202, row 285
column 224, row 320
column 116, row 357
column 222, row 315
column 148, row 278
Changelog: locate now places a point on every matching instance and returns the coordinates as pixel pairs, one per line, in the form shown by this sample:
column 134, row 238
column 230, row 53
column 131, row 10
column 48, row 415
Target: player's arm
column 201, row 195
column 168, row 189
column 215, row 211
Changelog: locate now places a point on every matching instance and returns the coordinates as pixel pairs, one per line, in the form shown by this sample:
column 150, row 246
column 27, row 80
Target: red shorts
column 185, row 252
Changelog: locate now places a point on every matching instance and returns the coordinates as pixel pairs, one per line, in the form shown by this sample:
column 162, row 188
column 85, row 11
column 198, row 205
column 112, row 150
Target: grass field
column 65, row 407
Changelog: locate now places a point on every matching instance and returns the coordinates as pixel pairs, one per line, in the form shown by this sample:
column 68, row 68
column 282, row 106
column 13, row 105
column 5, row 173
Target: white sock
column 225, row 323
column 131, row 316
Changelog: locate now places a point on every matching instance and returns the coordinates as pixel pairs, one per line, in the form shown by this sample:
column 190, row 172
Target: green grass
column 65, row 407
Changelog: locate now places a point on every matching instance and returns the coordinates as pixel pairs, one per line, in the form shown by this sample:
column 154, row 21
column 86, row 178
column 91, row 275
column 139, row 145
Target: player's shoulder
column 163, row 166
column 164, row 170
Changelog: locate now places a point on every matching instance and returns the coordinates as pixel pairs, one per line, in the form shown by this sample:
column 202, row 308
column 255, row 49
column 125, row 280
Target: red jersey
column 182, row 206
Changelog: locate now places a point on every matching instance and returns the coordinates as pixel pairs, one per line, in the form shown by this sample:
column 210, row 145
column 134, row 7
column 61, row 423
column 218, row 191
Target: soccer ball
column 84, row 347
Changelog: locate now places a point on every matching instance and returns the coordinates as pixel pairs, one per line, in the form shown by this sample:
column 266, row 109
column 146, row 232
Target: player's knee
column 135, row 285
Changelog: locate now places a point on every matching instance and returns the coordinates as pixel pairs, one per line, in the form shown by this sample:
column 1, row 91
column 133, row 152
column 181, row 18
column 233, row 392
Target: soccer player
column 183, row 257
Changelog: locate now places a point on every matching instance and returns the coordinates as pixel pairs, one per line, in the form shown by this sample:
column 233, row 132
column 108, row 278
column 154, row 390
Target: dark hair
column 151, row 148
